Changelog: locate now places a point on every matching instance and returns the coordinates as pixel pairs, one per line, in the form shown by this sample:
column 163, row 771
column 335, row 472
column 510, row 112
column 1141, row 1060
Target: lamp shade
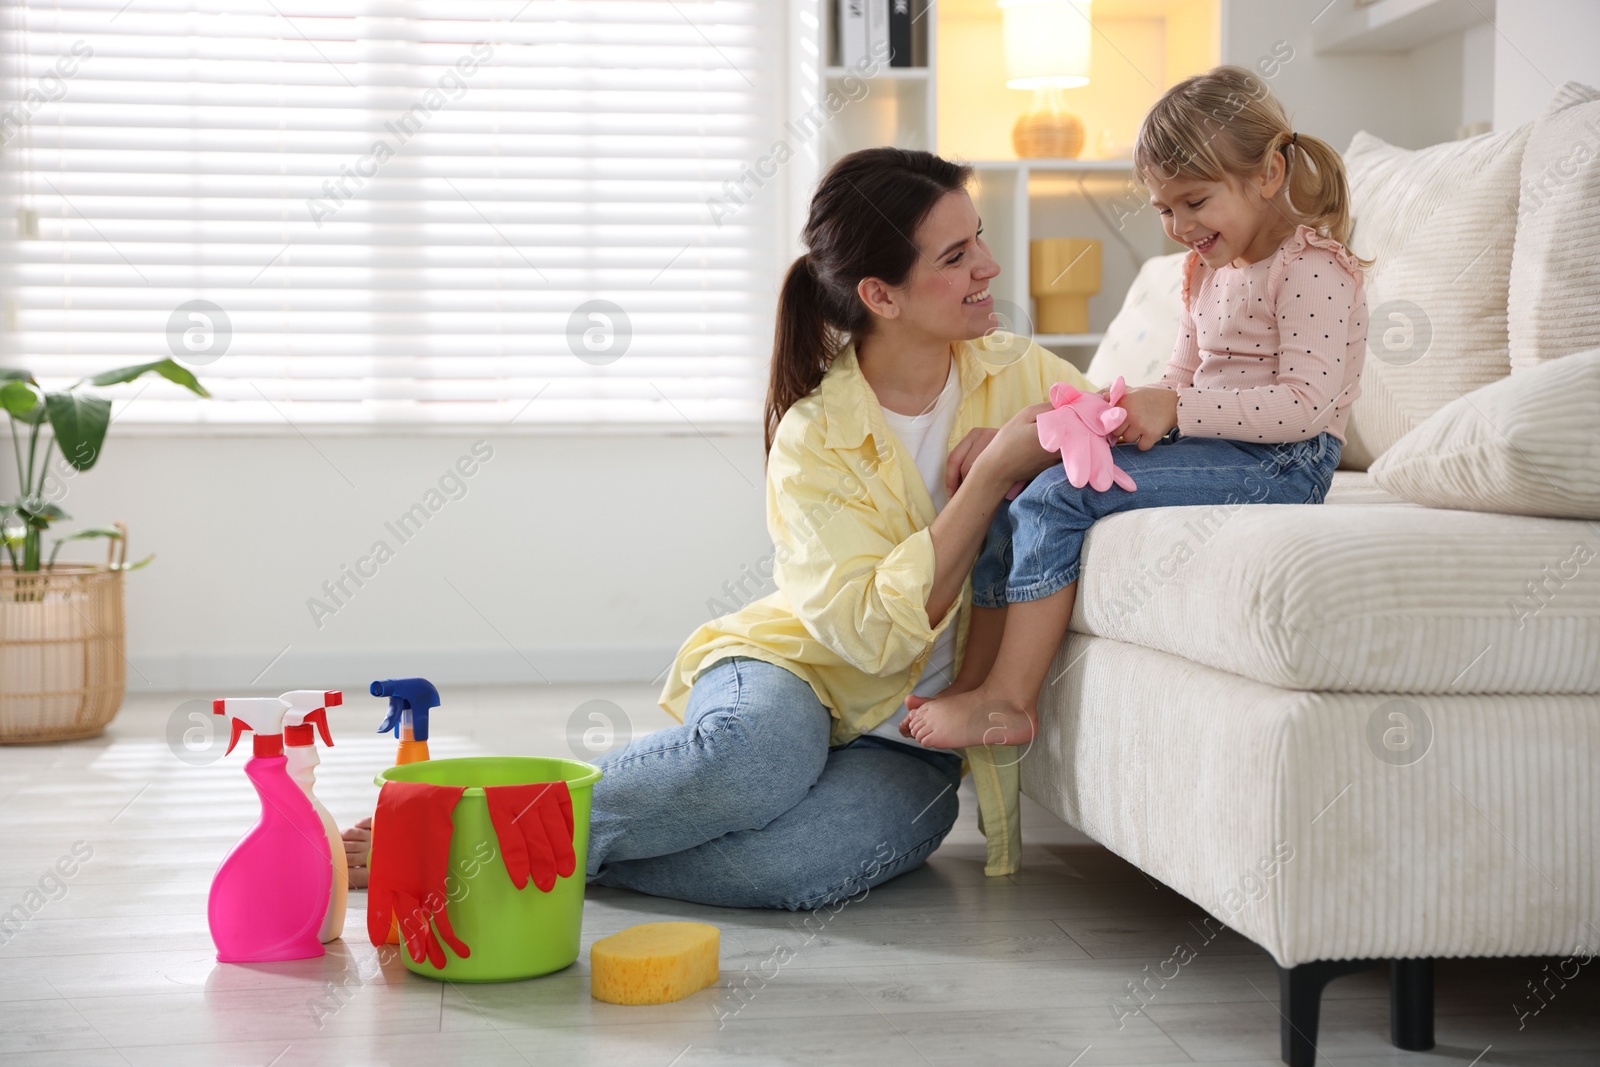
column 1047, row 43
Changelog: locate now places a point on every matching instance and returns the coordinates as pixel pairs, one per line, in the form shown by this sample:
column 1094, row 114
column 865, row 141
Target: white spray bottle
column 307, row 711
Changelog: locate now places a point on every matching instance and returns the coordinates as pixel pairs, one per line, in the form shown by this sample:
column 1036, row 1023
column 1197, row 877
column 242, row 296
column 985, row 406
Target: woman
column 788, row 784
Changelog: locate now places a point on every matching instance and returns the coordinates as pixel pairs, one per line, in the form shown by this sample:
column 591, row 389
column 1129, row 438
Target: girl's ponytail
column 1318, row 189
column 802, row 346
column 863, row 210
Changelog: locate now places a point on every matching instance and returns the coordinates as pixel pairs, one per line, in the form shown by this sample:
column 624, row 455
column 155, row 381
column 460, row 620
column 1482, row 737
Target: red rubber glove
column 409, row 867
column 534, row 825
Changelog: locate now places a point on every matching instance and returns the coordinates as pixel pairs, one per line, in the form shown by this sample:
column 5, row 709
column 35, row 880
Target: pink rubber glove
column 1080, row 428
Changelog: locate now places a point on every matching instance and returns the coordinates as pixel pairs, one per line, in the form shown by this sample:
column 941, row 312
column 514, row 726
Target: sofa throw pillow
column 1555, row 262
column 1139, row 341
column 1524, row 445
column 1439, row 222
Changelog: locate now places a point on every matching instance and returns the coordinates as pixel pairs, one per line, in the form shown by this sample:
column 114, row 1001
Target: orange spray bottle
column 410, row 700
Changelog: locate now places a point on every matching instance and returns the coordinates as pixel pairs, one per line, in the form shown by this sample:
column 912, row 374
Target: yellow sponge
column 654, row 963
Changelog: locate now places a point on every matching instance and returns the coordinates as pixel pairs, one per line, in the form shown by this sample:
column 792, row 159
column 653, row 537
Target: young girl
column 1252, row 407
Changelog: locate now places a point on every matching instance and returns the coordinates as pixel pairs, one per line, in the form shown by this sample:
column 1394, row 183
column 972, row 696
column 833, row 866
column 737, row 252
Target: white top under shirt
column 927, row 437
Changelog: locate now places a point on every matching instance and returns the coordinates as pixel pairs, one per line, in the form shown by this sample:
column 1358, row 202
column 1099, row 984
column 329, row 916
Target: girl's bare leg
column 983, row 644
column 984, row 633
column 1002, row 710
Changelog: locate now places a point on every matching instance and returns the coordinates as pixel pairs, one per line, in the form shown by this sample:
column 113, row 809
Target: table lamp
column 1047, row 50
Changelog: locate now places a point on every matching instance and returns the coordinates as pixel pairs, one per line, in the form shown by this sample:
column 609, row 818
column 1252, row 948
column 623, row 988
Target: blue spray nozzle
column 414, row 695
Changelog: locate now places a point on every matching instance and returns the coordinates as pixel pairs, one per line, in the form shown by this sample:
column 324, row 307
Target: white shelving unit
column 1015, row 209
column 1058, row 166
column 1069, row 340
column 1394, row 25
column 1018, row 199
column 886, row 74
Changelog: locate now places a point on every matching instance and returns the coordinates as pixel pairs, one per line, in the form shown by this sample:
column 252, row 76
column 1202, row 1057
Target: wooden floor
column 114, row 965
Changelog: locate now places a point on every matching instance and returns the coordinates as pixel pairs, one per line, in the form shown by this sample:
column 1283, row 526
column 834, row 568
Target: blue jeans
column 744, row 805
column 1032, row 547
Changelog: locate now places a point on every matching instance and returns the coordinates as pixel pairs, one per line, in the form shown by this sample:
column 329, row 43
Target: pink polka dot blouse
column 1271, row 351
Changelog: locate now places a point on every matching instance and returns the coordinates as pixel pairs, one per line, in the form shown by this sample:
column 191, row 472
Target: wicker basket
column 62, row 671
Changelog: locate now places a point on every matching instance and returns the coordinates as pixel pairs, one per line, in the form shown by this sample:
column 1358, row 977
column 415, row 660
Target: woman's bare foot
column 975, row 717
column 357, row 850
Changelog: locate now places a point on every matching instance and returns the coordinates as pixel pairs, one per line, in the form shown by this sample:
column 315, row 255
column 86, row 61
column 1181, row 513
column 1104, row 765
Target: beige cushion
column 1555, row 261
column 1528, row 445
column 1353, row 597
column 1440, row 223
column 1139, row 341
column 1316, row 824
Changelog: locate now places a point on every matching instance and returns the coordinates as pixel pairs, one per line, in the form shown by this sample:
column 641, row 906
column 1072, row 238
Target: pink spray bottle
column 270, row 896
column 306, row 714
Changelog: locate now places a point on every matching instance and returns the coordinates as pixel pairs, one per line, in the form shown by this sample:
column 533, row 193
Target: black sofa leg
column 1411, row 1004
column 1300, row 990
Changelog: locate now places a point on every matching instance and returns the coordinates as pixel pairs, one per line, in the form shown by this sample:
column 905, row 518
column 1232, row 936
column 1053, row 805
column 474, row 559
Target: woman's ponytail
column 862, row 211
column 802, row 345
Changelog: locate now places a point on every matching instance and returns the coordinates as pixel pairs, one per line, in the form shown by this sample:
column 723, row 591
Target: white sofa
column 1368, row 730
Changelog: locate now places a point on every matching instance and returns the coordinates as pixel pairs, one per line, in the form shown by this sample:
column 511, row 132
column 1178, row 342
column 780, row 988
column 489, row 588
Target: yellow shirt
column 849, row 516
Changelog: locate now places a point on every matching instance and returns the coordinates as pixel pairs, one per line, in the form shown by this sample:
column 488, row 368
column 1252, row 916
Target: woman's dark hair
column 862, row 224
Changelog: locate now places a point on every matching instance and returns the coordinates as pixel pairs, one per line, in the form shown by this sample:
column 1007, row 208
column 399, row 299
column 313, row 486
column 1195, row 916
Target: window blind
column 370, row 212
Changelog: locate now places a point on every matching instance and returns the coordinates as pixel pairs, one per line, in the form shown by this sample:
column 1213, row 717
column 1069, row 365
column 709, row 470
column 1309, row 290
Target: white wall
column 1424, row 95
column 576, row 557
column 1452, row 84
column 1477, row 74
column 1331, row 96
column 1539, row 45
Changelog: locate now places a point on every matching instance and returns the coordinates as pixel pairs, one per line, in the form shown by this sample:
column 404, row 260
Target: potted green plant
column 62, row 669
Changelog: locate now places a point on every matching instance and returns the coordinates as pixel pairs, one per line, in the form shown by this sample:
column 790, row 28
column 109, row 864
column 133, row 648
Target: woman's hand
column 1014, row 454
column 964, row 455
column 989, row 462
column 1152, row 413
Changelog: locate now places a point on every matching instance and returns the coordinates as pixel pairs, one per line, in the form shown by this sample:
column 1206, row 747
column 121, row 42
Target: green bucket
column 512, row 933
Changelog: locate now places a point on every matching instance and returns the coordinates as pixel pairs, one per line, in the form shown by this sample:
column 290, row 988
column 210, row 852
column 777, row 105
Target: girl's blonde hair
column 1225, row 123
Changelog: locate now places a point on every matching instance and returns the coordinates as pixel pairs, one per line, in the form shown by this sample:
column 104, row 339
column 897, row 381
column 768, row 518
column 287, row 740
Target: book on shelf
column 853, row 32
column 878, row 27
column 899, row 32
column 874, row 28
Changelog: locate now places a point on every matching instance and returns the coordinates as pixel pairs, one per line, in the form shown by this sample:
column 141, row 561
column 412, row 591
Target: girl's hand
column 357, row 845
column 1014, row 454
column 1152, row 413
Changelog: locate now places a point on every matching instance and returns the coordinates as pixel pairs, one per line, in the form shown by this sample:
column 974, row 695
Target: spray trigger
column 410, row 700
column 320, row 718
column 220, row 707
column 239, row 727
